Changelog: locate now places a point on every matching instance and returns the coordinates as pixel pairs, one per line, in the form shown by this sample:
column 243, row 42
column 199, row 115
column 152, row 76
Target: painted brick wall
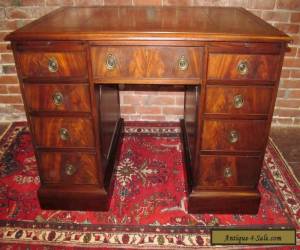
column 138, row 105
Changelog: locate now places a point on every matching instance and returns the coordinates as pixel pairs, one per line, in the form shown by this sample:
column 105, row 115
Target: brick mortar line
column 10, row 104
column 298, row 68
column 282, row 98
column 282, row 22
column 152, row 106
column 291, row 88
column 22, row 19
column 287, row 108
column 277, row 10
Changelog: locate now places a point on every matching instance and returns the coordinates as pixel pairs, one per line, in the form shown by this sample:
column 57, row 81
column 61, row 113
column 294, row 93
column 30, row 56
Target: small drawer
column 228, row 171
column 52, row 64
column 234, row 135
column 238, row 100
column 68, row 168
column 57, row 97
column 242, row 67
column 145, row 62
column 63, row 132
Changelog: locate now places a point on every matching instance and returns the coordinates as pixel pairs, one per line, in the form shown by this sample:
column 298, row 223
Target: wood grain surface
column 212, row 170
column 46, row 131
column 35, row 64
column 84, row 163
column 144, row 62
column 75, row 97
column 216, row 133
column 221, row 100
column 224, row 66
column 150, row 23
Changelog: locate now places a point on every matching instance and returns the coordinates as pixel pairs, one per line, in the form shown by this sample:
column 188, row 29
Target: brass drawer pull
column 182, row 63
column 227, row 172
column 233, row 136
column 111, row 62
column 58, row 98
column 52, row 65
column 64, row 134
column 243, row 68
column 70, row 169
column 238, row 101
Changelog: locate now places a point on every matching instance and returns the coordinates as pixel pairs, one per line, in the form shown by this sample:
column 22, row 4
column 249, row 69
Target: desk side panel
column 109, row 111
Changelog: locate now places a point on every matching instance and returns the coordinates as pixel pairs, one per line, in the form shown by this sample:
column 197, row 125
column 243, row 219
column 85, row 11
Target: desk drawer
column 63, row 132
column 52, row 64
column 228, row 171
column 142, row 62
column 242, row 67
column 234, row 135
column 57, row 97
column 68, row 168
column 238, row 100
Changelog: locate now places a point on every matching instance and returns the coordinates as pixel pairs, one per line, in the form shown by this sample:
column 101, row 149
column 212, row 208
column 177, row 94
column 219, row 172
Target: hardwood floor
column 288, row 142
column 286, row 139
column 3, row 127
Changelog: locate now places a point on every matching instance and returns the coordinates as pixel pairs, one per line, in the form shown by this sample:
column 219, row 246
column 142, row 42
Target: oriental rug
column 148, row 208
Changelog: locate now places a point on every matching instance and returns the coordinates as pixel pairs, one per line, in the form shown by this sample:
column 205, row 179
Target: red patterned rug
column 148, row 206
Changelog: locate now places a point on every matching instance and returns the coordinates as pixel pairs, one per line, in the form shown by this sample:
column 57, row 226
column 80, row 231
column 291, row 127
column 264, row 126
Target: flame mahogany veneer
column 70, row 64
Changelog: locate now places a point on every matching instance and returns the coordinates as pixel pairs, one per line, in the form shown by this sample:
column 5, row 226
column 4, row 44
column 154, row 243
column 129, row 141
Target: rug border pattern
column 156, row 237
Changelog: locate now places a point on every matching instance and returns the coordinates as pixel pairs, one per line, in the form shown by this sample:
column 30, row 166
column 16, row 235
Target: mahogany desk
column 71, row 62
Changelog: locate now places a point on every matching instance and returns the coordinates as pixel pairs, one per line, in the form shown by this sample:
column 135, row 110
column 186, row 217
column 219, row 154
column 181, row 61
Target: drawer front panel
column 63, row 132
column 68, row 168
column 57, row 97
column 137, row 62
column 231, row 135
column 53, row 64
column 238, row 100
column 228, row 171
column 242, row 67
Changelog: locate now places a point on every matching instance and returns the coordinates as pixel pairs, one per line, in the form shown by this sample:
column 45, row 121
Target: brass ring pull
column 182, row 63
column 233, row 136
column 70, row 169
column 64, row 134
column 111, row 62
column 243, row 68
column 238, row 101
column 58, row 98
column 52, row 65
column 227, row 172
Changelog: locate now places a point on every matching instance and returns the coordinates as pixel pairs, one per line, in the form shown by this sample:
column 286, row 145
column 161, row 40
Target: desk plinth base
column 87, row 198
column 223, row 202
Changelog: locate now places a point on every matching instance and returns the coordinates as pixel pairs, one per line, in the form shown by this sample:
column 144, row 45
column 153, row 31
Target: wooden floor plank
column 287, row 139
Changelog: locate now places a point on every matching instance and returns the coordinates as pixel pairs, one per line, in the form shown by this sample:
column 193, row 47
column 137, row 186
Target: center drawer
column 63, row 132
column 119, row 63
